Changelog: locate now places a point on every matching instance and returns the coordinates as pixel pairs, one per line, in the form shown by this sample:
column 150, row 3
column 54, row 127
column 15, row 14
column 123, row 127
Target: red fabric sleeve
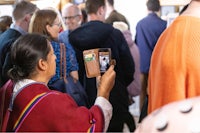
column 59, row 112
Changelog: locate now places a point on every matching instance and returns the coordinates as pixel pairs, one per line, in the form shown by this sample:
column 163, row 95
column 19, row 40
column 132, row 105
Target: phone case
column 97, row 61
column 91, row 61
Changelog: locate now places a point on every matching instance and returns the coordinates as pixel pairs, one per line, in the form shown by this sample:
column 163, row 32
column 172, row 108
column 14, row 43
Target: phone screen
column 104, row 59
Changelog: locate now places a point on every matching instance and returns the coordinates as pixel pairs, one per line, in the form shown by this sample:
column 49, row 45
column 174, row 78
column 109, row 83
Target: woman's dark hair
column 153, row 5
column 25, row 54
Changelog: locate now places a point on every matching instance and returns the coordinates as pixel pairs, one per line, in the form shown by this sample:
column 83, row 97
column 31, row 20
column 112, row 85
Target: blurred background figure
column 84, row 14
column 72, row 17
column 148, row 30
column 134, row 89
column 47, row 22
column 5, row 22
column 97, row 34
column 21, row 14
column 113, row 15
column 63, row 26
column 119, row 21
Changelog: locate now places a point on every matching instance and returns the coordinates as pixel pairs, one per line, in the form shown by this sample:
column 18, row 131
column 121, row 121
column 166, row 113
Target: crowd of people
column 160, row 66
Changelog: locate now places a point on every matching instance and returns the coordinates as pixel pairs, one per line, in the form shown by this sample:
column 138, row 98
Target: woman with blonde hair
column 47, row 22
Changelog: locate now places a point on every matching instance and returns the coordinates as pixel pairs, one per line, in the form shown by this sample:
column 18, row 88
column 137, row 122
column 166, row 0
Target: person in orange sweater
column 174, row 70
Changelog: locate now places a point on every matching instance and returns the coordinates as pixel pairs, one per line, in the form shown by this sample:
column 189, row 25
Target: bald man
column 72, row 18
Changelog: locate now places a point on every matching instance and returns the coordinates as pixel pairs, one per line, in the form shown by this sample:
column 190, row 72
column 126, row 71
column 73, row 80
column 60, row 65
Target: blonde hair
column 59, row 15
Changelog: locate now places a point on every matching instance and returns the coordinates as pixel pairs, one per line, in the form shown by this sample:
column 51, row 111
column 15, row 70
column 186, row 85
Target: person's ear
column 42, row 65
column 101, row 10
column 27, row 17
column 48, row 27
column 80, row 19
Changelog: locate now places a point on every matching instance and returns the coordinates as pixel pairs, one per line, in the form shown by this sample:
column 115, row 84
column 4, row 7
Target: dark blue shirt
column 148, row 30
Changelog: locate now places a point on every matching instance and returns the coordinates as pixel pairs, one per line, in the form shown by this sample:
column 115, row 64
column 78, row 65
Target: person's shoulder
column 9, row 37
column 64, row 33
column 117, row 31
column 10, row 33
column 64, row 99
column 98, row 26
column 63, row 36
column 142, row 21
column 99, row 23
column 55, row 44
column 143, row 18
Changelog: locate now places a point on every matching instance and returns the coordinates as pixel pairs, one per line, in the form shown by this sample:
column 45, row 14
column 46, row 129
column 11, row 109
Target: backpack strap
column 63, row 67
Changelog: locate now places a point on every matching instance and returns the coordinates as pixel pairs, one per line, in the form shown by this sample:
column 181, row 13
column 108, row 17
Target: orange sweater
column 175, row 64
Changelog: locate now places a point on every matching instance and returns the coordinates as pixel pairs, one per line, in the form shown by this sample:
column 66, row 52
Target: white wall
column 133, row 10
column 46, row 3
column 6, row 10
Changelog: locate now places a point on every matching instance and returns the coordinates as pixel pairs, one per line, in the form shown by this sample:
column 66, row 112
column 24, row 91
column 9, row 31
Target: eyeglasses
column 70, row 17
column 58, row 24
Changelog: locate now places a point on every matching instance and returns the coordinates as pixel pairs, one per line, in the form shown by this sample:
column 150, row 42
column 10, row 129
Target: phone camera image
column 104, row 61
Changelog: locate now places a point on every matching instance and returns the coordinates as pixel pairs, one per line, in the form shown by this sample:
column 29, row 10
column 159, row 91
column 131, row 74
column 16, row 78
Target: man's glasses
column 70, row 17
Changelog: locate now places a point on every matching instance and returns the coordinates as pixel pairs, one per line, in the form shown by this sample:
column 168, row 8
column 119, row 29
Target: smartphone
column 104, row 59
